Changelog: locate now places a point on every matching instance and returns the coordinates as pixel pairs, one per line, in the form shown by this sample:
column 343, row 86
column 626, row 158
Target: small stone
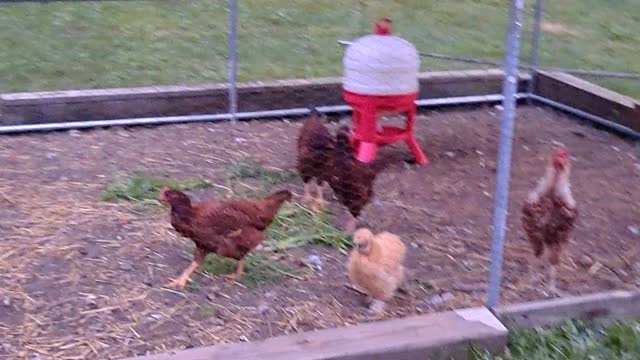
column 414, row 245
column 91, row 303
column 615, row 148
column 35, row 356
column 125, row 266
column 499, row 107
column 217, row 322
column 479, row 152
column 155, row 317
column 314, row 261
column 436, row 300
column 74, row 132
column 243, row 338
column 585, row 261
column 6, row 301
column 446, row 297
column 450, row 154
column 486, row 193
column 268, row 294
column 51, row 155
column 263, row 309
column 634, row 230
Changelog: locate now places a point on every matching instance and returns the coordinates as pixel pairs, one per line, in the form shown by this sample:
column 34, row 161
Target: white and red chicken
column 550, row 213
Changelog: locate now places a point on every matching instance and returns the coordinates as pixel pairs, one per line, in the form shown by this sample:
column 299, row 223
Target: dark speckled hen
column 315, row 150
column 351, row 180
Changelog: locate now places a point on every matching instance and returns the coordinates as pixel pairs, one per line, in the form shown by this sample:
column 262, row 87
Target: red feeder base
column 365, row 135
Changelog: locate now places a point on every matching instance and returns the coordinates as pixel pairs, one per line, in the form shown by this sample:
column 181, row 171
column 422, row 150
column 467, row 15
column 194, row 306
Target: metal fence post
column 535, row 45
column 509, row 89
column 233, row 62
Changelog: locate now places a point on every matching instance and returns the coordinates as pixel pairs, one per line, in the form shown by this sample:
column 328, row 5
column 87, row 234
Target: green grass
column 140, row 187
column 258, row 269
column 249, row 169
column 66, row 45
column 574, row 341
column 295, row 226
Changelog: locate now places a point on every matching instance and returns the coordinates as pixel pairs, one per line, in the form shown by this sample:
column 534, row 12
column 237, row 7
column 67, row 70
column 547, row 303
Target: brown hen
column 315, row 150
column 550, row 213
column 230, row 229
column 351, row 180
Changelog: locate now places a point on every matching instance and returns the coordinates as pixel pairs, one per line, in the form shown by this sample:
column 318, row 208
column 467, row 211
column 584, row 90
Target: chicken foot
column 237, row 274
column 181, row 281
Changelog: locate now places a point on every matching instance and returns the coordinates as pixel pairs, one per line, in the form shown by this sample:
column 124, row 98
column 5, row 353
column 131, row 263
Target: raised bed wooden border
column 435, row 336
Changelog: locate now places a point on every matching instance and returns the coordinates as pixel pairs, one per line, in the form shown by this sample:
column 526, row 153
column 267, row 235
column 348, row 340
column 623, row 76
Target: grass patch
column 573, row 341
column 258, row 269
column 295, row 226
column 101, row 44
column 140, row 187
column 250, row 169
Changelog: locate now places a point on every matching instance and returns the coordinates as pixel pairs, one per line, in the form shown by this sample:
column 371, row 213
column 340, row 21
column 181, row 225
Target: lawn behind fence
column 70, row 45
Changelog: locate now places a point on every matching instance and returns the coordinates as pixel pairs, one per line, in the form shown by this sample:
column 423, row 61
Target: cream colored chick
column 375, row 266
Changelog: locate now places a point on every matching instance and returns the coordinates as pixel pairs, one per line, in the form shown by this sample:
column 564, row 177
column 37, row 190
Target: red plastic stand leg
column 411, row 141
column 367, row 152
column 421, row 158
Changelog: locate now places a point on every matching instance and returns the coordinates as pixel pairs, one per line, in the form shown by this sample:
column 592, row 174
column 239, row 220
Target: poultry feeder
column 381, row 75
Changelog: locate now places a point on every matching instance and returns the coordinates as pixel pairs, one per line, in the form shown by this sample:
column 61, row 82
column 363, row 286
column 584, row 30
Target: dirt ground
column 81, row 278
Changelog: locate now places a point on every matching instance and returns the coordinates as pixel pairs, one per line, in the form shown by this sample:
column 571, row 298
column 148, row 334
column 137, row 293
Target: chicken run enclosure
column 87, row 248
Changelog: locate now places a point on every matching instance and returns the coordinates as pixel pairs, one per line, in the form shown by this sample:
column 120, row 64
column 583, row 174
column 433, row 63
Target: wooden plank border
column 599, row 307
column 588, row 97
column 436, row 336
column 157, row 101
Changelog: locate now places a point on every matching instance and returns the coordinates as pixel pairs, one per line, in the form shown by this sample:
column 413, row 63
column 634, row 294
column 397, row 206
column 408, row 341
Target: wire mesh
column 441, row 211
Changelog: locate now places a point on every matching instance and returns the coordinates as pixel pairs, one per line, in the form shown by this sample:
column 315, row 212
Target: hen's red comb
column 562, row 152
column 163, row 192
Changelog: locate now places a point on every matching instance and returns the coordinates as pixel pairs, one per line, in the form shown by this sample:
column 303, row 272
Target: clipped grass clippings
column 140, row 187
column 295, row 226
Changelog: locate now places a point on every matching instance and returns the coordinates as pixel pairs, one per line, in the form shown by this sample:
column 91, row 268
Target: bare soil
column 81, row 278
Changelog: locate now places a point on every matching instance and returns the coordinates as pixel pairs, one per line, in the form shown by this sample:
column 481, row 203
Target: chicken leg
column 307, row 192
column 239, row 271
column 181, row 281
column 553, row 289
column 320, row 202
column 350, row 226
